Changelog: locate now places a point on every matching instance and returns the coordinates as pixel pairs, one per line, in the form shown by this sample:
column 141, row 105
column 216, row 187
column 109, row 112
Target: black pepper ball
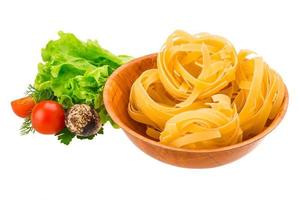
column 82, row 120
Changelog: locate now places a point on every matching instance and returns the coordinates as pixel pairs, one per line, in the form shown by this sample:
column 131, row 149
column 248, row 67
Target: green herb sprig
column 39, row 95
column 26, row 127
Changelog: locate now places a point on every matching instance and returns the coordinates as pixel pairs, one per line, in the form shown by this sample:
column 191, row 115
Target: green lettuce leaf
column 76, row 72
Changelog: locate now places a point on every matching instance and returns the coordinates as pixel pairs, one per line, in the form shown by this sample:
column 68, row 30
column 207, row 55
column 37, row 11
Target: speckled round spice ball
column 82, row 120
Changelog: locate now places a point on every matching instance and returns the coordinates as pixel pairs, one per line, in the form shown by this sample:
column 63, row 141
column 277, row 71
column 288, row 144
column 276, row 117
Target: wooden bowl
column 116, row 96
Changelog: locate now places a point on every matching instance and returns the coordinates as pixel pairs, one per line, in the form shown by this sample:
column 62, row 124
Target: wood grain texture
column 116, row 97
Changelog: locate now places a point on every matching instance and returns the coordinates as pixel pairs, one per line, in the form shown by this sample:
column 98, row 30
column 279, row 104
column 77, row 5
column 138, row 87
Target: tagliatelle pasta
column 204, row 128
column 150, row 104
column 204, row 95
column 261, row 93
column 192, row 67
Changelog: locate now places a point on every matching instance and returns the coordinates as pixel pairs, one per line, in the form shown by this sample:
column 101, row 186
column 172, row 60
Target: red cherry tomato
column 48, row 117
column 23, row 107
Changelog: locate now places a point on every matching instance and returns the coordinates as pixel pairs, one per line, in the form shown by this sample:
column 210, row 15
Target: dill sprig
column 39, row 95
column 26, row 127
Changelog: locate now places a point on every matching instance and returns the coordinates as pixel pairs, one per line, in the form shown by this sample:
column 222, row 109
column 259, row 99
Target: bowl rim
column 128, row 130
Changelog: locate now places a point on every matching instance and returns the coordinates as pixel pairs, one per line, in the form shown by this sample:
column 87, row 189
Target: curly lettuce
column 76, row 72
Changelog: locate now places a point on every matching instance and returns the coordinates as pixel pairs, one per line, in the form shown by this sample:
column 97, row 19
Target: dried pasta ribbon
column 195, row 67
column 204, row 128
column 261, row 93
column 150, row 103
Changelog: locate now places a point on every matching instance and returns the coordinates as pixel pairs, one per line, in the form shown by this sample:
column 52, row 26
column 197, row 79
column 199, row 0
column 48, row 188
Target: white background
column 38, row 167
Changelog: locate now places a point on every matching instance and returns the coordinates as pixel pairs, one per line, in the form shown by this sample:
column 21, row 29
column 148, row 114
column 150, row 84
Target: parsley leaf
column 65, row 136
